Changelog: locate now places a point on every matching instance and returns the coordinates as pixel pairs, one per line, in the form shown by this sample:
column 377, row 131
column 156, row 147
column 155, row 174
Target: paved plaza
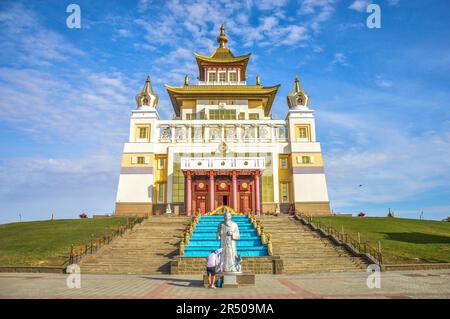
column 406, row 284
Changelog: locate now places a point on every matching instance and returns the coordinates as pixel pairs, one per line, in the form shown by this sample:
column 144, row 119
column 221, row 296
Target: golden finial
column 186, row 80
column 222, row 38
column 297, row 84
column 258, row 80
column 147, row 86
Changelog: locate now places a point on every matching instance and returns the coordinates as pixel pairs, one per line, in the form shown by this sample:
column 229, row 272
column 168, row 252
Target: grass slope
column 402, row 240
column 47, row 243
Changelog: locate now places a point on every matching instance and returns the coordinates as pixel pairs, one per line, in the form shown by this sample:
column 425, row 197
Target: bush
column 361, row 214
column 83, row 215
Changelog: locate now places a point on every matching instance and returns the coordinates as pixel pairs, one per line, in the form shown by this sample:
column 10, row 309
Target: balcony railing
column 222, row 83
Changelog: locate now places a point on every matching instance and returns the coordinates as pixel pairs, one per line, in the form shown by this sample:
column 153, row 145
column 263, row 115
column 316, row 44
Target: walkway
column 407, row 284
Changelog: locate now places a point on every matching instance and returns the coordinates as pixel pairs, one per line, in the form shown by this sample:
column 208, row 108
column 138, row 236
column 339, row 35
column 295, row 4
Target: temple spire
column 297, row 97
column 222, row 38
column 147, row 86
column 147, row 98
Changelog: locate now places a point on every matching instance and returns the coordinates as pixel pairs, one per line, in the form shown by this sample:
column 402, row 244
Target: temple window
column 142, row 132
column 233, row 76
column 212, row 76
column 283, row 163
column 306, row 160
column 161, row 163
column 222, row 114
column 222, row 76
column 140, row 160
column 190, row 116
column 253, row 116
column 242, row 116
column 161, row 192
column 284, row 192
column 303, row 133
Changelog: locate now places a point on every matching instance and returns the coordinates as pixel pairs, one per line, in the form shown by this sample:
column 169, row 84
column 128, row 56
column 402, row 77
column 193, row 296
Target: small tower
column 147, row 99
column 222, row 38
column 297, row 98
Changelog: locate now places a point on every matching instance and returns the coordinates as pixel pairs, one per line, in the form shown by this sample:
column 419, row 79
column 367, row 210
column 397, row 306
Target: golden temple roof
column 188, row 92
column 222, row 55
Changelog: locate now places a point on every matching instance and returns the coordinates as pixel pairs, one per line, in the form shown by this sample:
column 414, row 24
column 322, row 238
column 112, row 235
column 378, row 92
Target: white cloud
column 360, row 5
column 383, row 83
column 144, row 5
column 32, row 43
column 338, row 59
column 319, row 11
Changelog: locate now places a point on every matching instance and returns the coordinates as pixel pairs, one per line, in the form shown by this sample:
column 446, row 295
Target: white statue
column 228, row 233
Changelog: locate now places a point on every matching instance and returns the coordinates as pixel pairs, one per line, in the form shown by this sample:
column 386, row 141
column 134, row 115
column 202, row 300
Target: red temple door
column 245, row 203
column 201, row 204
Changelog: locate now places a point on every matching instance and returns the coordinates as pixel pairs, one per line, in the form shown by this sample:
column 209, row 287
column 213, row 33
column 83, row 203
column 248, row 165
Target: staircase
column 146, row 249
column 303, row 250
column 204, row 238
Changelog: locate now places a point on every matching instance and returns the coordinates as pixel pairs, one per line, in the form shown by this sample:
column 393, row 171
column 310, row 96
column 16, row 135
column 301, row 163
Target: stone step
column 146, row 249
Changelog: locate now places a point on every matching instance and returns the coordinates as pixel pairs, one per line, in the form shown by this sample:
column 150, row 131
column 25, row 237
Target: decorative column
column 188, row 193
column 234, row 189
column 257, row 194
column 211, row 190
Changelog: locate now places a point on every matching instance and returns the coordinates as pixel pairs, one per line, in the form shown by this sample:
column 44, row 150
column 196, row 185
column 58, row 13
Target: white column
column 223, row 133
column 169, row 175
column 276, row 183
column 172, row 132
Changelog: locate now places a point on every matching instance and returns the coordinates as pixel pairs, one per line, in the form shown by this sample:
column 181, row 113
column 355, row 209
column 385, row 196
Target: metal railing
column 362, row 246
column 79, row 252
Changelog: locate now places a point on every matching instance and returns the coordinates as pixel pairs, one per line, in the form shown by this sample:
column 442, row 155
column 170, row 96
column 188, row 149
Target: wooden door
column 245, row 203
column 201, row 204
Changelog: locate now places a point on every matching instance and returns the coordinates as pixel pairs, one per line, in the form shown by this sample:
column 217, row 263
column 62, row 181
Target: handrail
column 360, row 246
column 266, row 238
column 187, row 233
column 79, row 252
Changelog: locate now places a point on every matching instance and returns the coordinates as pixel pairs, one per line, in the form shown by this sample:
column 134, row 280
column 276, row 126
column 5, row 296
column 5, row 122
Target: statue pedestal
column 230, row 280
column 233, row 280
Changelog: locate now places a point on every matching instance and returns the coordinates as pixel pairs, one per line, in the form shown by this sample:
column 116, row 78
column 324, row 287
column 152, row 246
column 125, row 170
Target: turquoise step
column 239, row 243
column 203, row 239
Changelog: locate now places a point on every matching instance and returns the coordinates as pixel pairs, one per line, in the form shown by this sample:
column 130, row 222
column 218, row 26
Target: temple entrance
column 245, row 203
column 228, row 184
column 224, row 200
column 201, row 204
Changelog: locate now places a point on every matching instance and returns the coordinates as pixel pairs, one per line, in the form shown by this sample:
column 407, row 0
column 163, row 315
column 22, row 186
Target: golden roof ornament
column 147, row 98
column 297, row 97
column 222, row 38
column 258, row 80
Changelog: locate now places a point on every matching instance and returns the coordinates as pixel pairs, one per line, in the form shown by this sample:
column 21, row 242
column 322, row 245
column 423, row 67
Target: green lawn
column 47, row 243
column 402, row 240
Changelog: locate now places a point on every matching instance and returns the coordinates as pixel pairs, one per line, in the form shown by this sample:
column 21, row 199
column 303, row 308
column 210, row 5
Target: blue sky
column 380, row 95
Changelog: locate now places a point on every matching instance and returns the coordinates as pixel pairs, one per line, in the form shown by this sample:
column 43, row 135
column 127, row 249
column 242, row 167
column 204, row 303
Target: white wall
column 310, row 188
column 135, row 188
